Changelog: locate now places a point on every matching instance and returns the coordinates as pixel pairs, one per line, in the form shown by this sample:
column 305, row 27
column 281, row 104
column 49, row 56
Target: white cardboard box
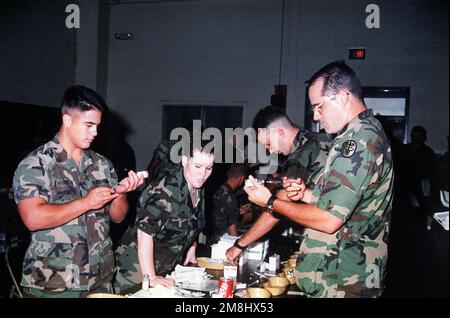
column 442, row 219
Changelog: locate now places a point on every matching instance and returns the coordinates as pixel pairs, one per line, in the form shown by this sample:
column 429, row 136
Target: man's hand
column 232, row 255
column 295, row 188
column 190, row 256
column 159, row 280
column 98, row 197
column 257, row 193
column 244, row 209
column 128, row 184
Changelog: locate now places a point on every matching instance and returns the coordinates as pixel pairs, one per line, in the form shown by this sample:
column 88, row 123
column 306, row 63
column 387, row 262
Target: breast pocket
column 64, row 191
column 99, row 183
column 175, row 230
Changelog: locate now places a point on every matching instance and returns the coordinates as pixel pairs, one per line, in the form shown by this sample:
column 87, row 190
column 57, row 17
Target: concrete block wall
column 37, row 52
column 221, row 52
column 409, row 49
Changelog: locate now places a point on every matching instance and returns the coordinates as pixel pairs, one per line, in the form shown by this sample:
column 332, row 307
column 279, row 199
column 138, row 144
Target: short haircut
column 420, row 130
column 338, row 76
column 82, row 99
column 189, row 151
column 236, row 170
column 267, row 115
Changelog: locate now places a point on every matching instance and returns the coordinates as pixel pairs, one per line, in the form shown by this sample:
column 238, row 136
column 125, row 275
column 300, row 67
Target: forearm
column 307, row 196
column 190, row 255
column 37, row 214
column 233, row 230
column 145, row 248
column 118, row 208
column 308, row 215
column 263, row 225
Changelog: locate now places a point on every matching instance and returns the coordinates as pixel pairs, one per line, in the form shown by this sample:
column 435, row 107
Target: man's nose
column 316, row 115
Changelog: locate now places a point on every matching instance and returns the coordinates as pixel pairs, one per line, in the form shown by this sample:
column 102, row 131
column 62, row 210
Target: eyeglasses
column 318, row 106
column 268, row 137
column 267, row 144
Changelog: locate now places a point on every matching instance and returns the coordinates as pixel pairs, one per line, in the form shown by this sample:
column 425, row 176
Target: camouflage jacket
column 356, row 187
column 225, row 212
column 78, row 255
column 307, row 157
column 162, row 152
column 164, row 211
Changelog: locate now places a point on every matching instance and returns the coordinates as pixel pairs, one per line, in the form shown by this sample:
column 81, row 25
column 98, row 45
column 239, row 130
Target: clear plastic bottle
column 146, row 282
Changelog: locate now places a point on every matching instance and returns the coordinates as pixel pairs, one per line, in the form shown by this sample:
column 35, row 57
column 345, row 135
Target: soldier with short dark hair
column 170, row 216
column 67, row 195
column 347, row 214
column 307, row 152
column 225, row 212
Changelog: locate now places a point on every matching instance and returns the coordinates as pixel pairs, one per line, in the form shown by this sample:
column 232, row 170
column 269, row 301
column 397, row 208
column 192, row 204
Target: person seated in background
column 170, row 216
column 226, row 214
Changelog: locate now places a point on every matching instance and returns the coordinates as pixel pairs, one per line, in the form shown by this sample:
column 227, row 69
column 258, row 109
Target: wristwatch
column 269, row 207
column 269, row 204
column 236, row 244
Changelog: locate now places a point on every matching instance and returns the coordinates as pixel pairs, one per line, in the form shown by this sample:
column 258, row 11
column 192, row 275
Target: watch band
column 236, row 244
column 269, row 208
column 270, row 202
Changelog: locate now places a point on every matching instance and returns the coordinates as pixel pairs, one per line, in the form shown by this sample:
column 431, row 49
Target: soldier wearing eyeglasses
column 347, row 214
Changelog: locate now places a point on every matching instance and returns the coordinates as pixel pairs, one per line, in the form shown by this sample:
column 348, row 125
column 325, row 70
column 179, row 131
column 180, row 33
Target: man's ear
column 67, row 120
column 281, row 132
column 184, row 160
column 343, row 97
column 242, row 180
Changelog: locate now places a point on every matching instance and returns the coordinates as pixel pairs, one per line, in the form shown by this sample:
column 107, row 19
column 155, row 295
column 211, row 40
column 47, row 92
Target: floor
column 418, row 263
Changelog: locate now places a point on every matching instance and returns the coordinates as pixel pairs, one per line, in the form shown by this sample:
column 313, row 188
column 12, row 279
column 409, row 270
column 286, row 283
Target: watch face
column 268, row 210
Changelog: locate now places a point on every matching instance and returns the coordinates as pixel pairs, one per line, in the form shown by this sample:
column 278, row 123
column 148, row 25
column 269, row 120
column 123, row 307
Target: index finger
column 103, row 190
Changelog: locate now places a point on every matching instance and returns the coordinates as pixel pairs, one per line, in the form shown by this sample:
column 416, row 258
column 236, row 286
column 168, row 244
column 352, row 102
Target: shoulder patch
column 348, row 148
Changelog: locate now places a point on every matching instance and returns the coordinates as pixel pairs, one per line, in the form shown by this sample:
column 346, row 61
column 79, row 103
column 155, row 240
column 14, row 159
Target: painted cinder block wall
column 224, row 52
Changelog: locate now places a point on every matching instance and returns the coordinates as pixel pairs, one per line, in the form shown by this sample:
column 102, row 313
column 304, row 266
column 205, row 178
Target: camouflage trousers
column 39, row 293
column 128, row 272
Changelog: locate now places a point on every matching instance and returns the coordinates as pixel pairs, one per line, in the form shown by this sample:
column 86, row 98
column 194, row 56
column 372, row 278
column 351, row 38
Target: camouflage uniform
column 162, row 152
column 225, row 212
column 307, row 157
column 356, row 187
column 78, row 255
column 164, row 211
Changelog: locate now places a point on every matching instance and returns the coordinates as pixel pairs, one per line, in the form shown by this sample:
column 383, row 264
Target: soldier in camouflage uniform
column 161, row 162
column 170, row 216
column 225, row 212
column 307, row 152
column 67, row 195
column 348, row 213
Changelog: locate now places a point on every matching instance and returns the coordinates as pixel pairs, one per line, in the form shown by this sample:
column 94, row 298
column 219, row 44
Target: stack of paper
column 188, row 275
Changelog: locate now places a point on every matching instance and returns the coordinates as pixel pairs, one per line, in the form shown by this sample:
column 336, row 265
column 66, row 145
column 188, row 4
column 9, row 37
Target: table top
column 248, row 274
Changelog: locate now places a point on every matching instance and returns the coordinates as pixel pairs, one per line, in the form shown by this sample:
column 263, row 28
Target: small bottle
column 146, row 282
column 262, row 267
